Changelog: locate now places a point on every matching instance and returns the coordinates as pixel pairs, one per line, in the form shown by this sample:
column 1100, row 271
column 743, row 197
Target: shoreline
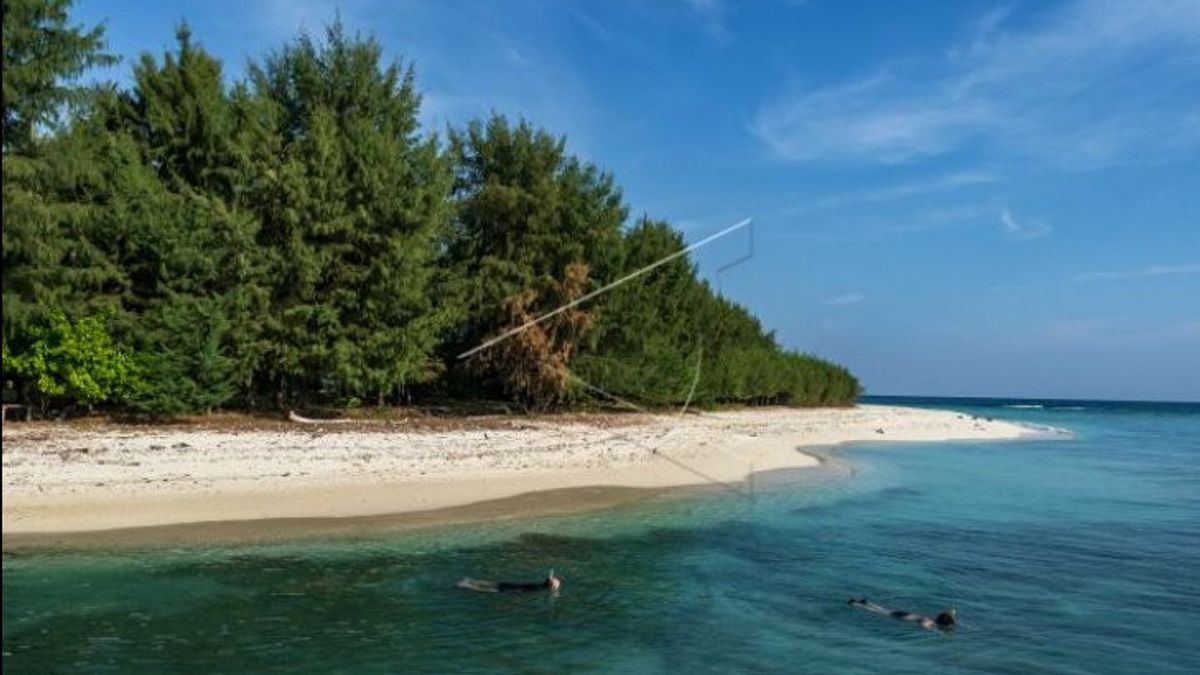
column 66, row 486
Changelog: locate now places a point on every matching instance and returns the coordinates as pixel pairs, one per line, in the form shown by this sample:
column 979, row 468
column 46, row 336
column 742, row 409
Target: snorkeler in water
column 551, row 583
column 944, row 621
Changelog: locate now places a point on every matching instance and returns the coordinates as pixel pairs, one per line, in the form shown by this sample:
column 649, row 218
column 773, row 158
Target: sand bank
column 72, row 479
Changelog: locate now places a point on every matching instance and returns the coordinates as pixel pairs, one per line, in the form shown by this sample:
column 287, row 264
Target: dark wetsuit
column 522, row 587
column 504, row 586
column 943, row 621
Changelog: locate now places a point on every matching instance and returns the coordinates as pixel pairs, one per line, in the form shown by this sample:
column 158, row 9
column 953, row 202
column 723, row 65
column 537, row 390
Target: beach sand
column 64, row 481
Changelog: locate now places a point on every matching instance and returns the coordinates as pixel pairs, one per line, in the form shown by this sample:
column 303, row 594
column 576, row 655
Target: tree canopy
column 195, row 241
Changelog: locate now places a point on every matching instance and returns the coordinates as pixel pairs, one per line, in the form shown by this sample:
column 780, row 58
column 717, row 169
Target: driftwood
column 294, row 417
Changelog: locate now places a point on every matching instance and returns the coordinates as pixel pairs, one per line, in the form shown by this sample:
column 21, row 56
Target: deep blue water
column 1068, row 555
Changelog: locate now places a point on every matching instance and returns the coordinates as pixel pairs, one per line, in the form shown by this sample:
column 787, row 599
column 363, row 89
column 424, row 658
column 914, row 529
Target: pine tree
column 184, row 244
column 53, row 269
column 353, row 206
column 43, row 53
column 648, row 337
column 654, row 331
column 187, row 242
column 183, row 357
column 183, row 117
column 527, row 214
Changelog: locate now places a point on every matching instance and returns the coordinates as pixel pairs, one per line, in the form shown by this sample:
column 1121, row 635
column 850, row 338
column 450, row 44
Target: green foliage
column 54, row 257
column 295, row 238
column 648, row 336
column 654, row 333
column 48, row 177
column 74, row 360
column 353, row 207
column 183, row 357
column 184, row 119
column 527, row 213
column 42, row 53
column 181, row 233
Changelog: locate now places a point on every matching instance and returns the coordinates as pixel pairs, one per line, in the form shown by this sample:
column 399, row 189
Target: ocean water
column 1076, row 554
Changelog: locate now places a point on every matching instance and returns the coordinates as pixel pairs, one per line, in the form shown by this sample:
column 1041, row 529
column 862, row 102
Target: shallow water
column 1076, row 555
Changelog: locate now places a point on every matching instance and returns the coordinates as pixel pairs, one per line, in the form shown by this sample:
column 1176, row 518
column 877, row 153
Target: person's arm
column 478, row 585
column 878, row 609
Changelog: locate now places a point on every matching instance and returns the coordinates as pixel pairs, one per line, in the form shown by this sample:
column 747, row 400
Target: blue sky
column 956, row 198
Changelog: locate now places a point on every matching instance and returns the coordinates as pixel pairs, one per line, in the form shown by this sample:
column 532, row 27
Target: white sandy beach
column 68, row 478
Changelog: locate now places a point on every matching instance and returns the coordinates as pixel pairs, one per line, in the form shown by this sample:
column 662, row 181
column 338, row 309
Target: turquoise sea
column 1064, row 555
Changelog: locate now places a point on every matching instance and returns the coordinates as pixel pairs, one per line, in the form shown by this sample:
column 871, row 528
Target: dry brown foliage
column 532, row 365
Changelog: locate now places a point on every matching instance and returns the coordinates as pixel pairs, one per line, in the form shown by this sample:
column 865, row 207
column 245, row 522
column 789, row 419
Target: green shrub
column 76, row 361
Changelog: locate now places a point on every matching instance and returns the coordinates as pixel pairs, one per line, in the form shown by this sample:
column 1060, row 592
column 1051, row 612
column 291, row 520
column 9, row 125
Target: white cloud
column 1017, row 230
column 845, row 299
column 1141, row 273
column 871, row 118
column 1087, row 84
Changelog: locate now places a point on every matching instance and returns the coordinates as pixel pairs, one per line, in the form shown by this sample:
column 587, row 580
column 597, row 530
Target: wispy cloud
column 845, row 299
column 1086, row 84
column 967, row 215
column 864, row 119
column 944, row 183
column 1148, row 271
column 1016, row 230
column 876, row 228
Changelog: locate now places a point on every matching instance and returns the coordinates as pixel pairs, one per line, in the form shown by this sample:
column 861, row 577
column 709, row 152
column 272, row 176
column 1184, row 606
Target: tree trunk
column 281, row 393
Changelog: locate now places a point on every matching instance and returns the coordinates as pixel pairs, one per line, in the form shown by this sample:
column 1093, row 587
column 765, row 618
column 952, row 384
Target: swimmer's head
column 552, row 581
column 947, row 618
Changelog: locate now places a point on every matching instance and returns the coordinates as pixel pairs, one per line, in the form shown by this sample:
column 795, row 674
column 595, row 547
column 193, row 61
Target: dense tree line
column 294, row 238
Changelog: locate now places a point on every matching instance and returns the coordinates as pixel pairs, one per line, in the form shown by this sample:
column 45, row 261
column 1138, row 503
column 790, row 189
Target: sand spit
column 69, row 478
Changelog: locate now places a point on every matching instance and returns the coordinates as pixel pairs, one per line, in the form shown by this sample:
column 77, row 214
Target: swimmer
column 550, row 583
column 944, row 621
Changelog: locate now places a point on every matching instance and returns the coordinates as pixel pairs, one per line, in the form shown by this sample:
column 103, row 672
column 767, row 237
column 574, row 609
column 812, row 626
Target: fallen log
column 299, row 419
